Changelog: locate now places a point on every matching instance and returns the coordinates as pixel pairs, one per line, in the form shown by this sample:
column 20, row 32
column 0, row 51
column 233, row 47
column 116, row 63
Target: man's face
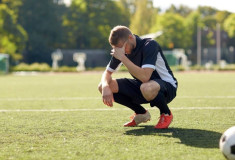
column 129, row 46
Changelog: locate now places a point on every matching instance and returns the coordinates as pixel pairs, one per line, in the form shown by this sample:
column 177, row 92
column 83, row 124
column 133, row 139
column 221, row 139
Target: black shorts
column 131, row 88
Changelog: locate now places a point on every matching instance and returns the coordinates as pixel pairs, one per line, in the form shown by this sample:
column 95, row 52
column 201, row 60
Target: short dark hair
column 119, row 33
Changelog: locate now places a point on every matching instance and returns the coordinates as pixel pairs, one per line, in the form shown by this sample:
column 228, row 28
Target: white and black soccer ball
column 227, row 143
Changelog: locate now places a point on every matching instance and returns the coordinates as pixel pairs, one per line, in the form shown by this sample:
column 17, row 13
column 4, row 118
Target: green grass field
column 61, row 116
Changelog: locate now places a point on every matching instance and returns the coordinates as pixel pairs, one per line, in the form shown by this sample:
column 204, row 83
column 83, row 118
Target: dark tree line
column 30, row 30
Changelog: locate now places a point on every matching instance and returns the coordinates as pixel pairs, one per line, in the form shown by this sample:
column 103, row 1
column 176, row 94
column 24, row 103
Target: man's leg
column 127, row 101
column 122, row 97
column 128, row 94
column 159, row 93
column 153, row 93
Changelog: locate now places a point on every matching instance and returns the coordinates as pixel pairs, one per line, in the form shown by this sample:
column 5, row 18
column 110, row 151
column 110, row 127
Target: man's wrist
column 105, row 85
column 122, row 57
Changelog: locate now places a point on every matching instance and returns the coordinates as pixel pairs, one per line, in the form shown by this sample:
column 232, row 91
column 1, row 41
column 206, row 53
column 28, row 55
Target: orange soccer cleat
column 137, row 119
column 164, row 121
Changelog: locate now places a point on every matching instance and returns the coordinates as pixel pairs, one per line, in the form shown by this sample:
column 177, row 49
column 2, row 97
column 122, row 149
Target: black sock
column 160, row 102
column 127, row 101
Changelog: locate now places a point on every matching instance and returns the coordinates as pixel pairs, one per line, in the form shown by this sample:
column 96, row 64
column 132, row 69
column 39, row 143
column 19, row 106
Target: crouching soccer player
column 153, row 81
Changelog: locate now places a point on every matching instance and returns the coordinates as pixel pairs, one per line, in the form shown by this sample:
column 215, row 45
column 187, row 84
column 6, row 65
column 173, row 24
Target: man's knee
column 100, row 87
column 150, row 90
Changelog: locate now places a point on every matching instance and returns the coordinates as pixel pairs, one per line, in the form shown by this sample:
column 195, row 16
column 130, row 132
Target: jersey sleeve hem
column 110, row 69
column 113, row 70
column 148, row 66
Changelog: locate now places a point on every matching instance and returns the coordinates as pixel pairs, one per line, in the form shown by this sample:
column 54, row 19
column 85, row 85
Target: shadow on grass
column 190, row 137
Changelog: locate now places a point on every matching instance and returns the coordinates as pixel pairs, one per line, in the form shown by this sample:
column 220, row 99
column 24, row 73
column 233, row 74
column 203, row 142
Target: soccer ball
column 227, row 143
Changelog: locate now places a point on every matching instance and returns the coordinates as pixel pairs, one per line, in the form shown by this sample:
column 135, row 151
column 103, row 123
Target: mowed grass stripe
column 99, row 98
column 108, row 109
column 65, row 125
column 50, row 99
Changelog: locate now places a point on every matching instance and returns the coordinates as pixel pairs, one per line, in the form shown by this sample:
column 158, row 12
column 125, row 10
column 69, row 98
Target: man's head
column 120, row 35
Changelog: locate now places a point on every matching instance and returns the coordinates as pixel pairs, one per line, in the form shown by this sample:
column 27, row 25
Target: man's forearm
column 135, row 70
column 106, row 78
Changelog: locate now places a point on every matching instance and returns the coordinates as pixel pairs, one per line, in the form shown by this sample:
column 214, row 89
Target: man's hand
column 119, row 52
column 107, row 96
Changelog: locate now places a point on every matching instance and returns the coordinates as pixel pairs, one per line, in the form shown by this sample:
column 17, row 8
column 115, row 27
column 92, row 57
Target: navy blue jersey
column 148, row 54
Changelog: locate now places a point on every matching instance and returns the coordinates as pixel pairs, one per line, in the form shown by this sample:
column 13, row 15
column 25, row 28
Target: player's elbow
column 145, row 79
column 146, row 74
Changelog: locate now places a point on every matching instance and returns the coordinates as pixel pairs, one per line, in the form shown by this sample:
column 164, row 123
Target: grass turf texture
column 99, row 134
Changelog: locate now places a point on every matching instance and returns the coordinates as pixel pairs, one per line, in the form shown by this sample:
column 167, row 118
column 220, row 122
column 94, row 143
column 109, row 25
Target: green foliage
column 43, row 67
column 96, row 69
column 181, row 10
column 127, row 7
column 192, row 21
column 144, row 17
column 206, row 11
column 89, row 22
column 197, row 68
column 13, row 36
column 229, row 25
column 43, row 22
column 221, row 16
column 173, row 29
column 178, row 68
column 65, row 69
column 13, row 5
column 228, row 67
column 210, row 22
column 35, row 29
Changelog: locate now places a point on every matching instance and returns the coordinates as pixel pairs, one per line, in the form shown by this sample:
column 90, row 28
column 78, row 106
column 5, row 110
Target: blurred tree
column 181, row 10
column 184, row 10
column 221, row 17
column 174, row 33
column 206, row 11
column 229, row 25
column 13, row 36
column 144, row 17
column 208, row 31
column 43, row 22
column 13, row 5
column 209, row 22
column 128, row 6
column 171, row 9
column 192, row 21
column 88, row 23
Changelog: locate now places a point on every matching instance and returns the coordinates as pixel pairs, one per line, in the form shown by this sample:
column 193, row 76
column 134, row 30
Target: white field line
column 51, row 99
column 208, row 97
column 99, row 98
column 113, row 109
